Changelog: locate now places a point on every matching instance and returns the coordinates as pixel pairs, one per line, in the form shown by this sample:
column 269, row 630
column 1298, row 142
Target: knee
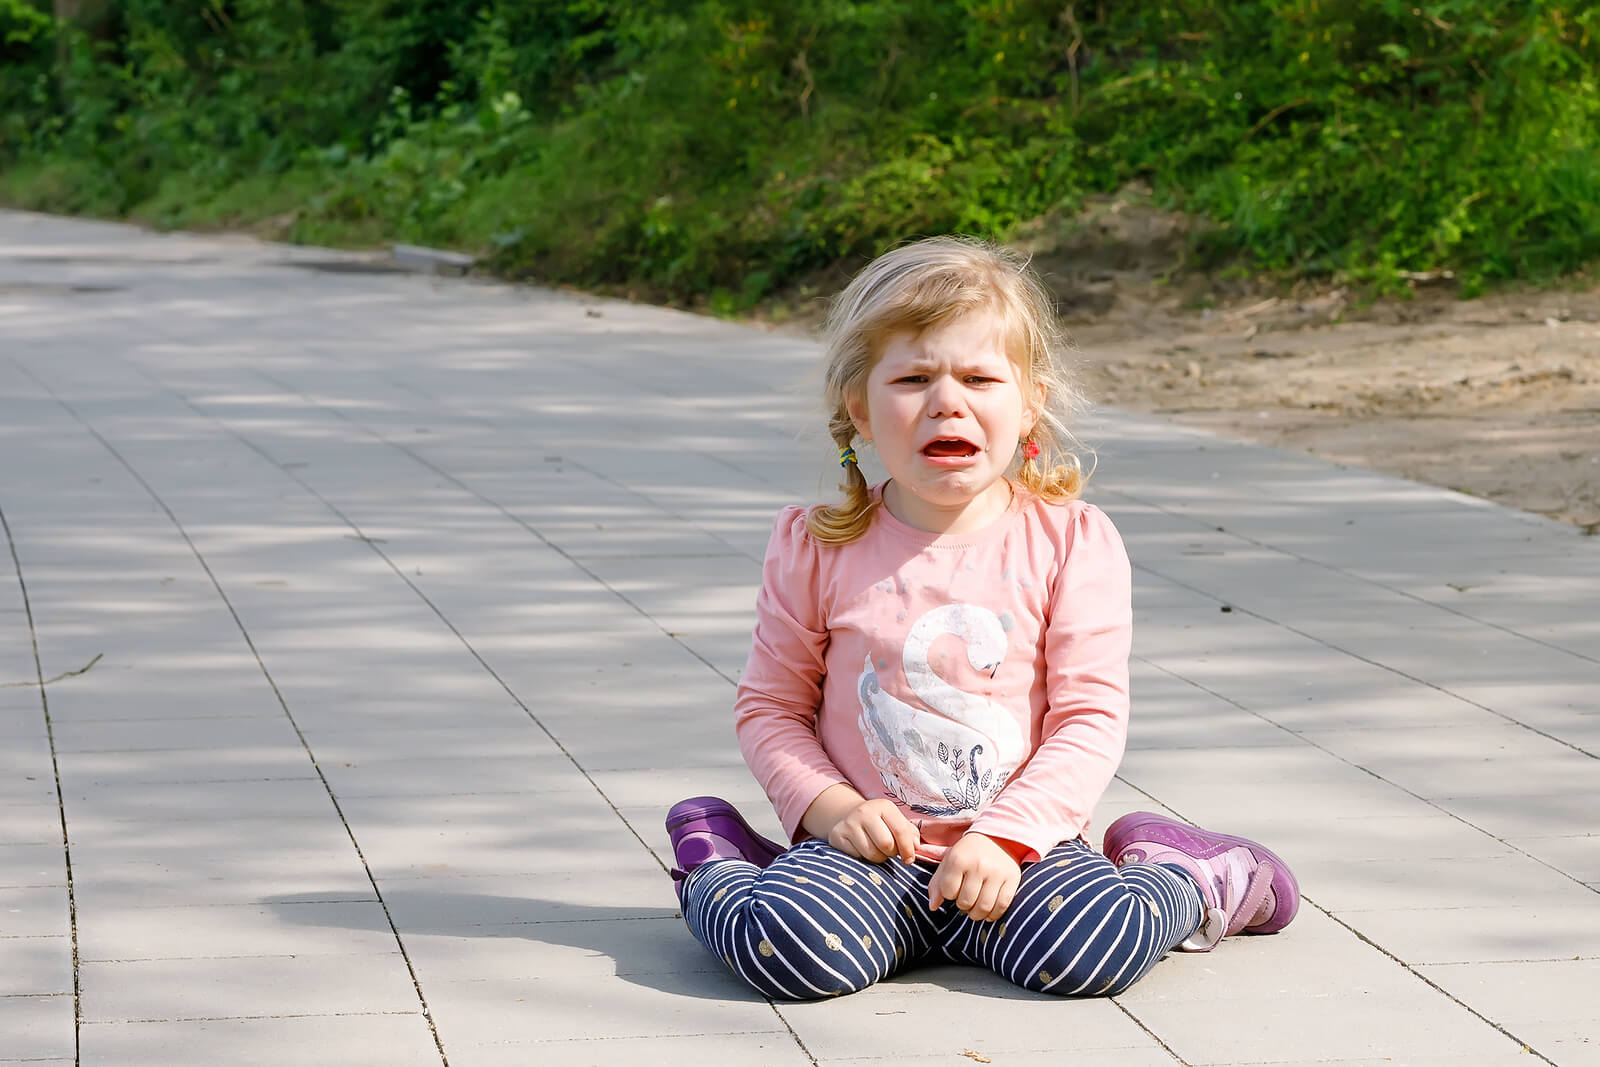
column 797, row 961
column 1098, row 962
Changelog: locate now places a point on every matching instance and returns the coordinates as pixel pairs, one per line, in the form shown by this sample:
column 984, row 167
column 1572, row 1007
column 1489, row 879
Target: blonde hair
column 924, row 285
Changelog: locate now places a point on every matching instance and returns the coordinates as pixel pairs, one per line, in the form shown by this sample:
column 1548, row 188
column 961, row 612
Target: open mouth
column 949, row 447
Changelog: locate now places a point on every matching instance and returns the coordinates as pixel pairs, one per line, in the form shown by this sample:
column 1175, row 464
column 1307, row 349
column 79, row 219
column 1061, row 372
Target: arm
column 1088, row 637
column 775, row 711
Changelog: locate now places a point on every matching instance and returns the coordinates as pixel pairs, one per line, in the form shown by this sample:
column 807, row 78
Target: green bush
column 717, row 149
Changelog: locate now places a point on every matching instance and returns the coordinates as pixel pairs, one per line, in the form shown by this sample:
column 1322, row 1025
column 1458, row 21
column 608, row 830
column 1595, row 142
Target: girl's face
column 945, row 410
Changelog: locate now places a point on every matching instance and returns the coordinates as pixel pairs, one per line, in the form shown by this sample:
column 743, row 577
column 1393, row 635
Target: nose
column 946, row 398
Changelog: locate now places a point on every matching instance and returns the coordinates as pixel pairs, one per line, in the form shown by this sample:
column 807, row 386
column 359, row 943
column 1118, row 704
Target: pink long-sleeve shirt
column 979, row 680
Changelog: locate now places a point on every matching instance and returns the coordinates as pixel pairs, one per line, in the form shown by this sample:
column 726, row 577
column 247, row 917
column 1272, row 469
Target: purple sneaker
column 706, row 828
column 1245, row 887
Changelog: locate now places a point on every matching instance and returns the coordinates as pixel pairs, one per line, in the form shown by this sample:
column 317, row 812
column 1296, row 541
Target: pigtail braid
column 842, row 523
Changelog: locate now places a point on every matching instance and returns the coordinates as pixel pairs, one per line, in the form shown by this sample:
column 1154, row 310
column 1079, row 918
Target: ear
column 858, row 415
column 1032, row 411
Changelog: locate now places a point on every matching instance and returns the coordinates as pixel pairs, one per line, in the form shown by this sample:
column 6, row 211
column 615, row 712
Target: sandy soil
column 1498, row 397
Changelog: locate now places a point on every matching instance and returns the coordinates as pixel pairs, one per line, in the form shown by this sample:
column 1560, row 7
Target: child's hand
column 979, row 875
column 873, row 831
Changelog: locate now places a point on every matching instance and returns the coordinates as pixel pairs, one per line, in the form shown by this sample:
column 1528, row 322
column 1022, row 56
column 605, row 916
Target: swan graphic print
column 954, row 759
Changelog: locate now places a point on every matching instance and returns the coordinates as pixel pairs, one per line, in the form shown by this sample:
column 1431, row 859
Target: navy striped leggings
column 818, row 923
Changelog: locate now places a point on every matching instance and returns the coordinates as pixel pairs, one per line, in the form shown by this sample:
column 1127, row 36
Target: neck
column 966, row 517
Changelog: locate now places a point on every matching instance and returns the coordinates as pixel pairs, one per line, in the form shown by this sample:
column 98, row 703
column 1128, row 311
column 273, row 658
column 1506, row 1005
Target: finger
column 939, row 888
column 867, row 845
column 906, row 838
column 1002, row 901
column 971, row 886
column 842, row 839
column 983, row 908
column 882, row 837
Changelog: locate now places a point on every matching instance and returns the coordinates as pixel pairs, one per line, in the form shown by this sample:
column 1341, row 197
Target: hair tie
column 1030, row 450
column 847, row 456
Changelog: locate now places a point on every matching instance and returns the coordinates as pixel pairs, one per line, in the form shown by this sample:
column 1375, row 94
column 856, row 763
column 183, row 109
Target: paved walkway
column 381, row 617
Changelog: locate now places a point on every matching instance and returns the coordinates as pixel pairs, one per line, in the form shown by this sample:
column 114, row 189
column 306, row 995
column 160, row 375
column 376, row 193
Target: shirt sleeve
column 1087, row 640
column 775, row 711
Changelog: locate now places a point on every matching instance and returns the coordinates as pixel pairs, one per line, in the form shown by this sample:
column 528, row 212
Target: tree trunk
column 89, row 16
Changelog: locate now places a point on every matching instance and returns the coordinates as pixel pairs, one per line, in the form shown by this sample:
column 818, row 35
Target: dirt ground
column 1498, row 396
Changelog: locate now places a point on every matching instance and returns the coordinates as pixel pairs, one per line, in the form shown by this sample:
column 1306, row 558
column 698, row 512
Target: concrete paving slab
column 37, row 966
column 36, row 818
column 405, row 524
column 1121, row 1057
column 649, row 950
column 417, row 776
column 292, row 798
column 198, row 931
column 1334, row 1028
column 1577, row 856
column 183, row 880
column 920, row 1015
column 305, row 1041
column 179, row 990
column 37, row 1028
column 775, row 1047
column 25, row 866
column 581, row 1007
column 32, row 911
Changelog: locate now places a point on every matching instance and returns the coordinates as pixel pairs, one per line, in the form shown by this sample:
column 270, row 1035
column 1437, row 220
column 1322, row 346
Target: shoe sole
column 1284, row 885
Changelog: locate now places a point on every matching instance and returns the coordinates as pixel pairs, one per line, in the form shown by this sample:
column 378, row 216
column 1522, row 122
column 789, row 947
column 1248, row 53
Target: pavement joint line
column 1354, row 576
column 55, row 766
column 33, row 996
column 1141, row 1024
column 1365, row 659
column 245, row 634
column 1432, row 802
column 777, row 1012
